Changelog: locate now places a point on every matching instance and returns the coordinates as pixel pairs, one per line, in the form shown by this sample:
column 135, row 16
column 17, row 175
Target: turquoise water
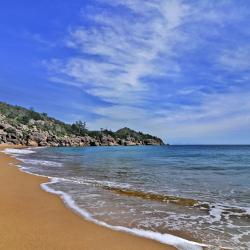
column 203, row 191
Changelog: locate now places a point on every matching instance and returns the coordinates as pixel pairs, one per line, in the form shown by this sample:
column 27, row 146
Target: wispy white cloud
column 39, row 39
column 218, row 114
column 134, row 55
column 236, row 59
column 122, row 50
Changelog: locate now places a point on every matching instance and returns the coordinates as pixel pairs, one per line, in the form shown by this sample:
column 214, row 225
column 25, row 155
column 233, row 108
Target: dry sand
column 30, row 218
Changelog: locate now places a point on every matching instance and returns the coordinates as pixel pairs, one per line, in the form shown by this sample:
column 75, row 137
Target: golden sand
column 32, row 219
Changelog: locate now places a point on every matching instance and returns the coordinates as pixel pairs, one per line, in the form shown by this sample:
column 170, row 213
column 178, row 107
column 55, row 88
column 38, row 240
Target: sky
column 178, row 69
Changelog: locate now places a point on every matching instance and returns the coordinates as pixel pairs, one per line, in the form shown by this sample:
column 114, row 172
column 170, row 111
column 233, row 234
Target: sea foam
column 179, row 243
column 42, row 162
column 14, row 151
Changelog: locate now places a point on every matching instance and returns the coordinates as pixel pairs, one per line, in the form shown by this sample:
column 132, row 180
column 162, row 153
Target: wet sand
column 30, row 218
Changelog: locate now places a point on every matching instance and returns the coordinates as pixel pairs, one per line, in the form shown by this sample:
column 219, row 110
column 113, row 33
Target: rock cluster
column 31, row 135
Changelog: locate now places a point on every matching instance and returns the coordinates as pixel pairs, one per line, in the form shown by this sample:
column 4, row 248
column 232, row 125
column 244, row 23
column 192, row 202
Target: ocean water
column 201, row 194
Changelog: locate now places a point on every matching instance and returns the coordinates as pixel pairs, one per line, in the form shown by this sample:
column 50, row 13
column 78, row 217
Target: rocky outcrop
column 50, row 132
column 33, row 137
column 150, row 142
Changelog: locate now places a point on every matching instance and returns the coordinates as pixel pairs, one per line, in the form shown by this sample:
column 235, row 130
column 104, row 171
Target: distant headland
column 21, row 126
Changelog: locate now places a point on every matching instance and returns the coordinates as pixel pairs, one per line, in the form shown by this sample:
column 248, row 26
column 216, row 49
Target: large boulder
column 151, row 142
column 3, row 139
column 121, row 142
column 130, row 143
column 113, row 144
column 107, row 140
column 94, row 143
column 37, row 139
column 2, row 132
column 32, row 143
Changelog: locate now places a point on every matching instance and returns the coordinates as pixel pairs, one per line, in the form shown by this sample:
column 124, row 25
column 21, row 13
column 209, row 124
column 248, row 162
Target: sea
column 191, row 197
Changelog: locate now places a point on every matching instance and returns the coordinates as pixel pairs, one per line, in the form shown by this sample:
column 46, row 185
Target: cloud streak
column 162, row 65
column 121, row 51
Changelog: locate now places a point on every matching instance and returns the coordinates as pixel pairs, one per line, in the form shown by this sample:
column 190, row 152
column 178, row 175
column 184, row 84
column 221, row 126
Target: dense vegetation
column 17, row 115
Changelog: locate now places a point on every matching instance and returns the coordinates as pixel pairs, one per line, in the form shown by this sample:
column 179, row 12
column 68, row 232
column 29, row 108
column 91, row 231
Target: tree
column 79, row 127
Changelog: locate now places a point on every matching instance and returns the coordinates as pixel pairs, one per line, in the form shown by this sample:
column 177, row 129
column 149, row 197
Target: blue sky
column 179, row 69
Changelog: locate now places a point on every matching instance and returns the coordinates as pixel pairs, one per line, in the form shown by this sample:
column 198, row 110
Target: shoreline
column 31, row 218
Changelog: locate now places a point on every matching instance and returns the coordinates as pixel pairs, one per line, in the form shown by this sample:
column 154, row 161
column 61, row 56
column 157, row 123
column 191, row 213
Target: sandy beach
column 30, row 218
